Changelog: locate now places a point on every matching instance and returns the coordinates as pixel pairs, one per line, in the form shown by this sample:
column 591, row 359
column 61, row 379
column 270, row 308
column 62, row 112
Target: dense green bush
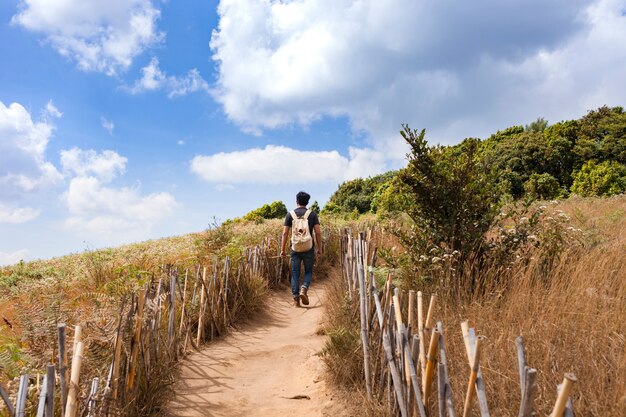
column 275, row 210
column 542, row 187
column 453, row 195
column 604, row 179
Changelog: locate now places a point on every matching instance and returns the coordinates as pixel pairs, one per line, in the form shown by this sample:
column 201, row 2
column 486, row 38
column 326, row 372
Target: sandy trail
column 256, row 369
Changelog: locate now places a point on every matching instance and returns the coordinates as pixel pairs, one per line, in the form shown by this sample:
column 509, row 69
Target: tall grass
column 566, row 297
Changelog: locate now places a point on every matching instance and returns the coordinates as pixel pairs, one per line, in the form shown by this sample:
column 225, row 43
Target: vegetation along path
column 268, row 367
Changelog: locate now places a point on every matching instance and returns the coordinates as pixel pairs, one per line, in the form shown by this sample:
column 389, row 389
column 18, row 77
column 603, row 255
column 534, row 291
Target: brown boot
column 303, row 297
column 296, row 301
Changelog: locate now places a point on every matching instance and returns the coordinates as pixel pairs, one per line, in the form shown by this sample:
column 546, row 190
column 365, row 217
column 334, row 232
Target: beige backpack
column 301, row 240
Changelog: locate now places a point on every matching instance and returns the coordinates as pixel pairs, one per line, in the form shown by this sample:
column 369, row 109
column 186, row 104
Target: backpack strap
column 293, row 215
column 306, row 214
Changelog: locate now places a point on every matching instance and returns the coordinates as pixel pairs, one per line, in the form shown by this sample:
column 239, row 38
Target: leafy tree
column 355, row 195
column 275, row 210
column 315, row 207
column 538, row 125
column 604, row 179
column 453, row 194
column 542, row 186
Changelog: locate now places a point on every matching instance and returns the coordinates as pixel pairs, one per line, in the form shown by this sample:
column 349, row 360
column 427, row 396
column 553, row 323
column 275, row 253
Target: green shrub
column 604, row 179
column 542, row 186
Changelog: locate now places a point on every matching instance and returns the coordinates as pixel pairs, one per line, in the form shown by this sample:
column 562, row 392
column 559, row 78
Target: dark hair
column 303, row 198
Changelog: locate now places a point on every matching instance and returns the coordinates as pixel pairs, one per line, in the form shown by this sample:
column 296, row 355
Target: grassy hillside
column 563, row 291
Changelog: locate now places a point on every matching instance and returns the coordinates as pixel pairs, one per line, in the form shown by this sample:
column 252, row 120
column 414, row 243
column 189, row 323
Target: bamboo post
column 78, row 337
column 136, row 339
column 63, row 370
column 395, row 375
column 420, row 331
column 91, row 401
column 171, row 331
column 561, row 401
column 474, row 364
column 444, row 367
column 441, row 390
column 469, row 340
column 201, row 308
column 417, row 396
column 50, row 376
column 182, row 313
column 431, row 360
column 7, row 401
column 117, row 355
column 521, row 363
column 364, row 338
column 22, row 395
column 41, row 407
column 528, row 395
column 431, row 309
column 411, row 315
column 72, row 396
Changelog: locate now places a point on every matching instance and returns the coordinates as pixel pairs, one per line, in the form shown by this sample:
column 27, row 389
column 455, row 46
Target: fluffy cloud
column 9, row 258
column 282, row 165
column 17, row 215
column 23, row 142
column 101, row 36
column 104, row 212
column 153, row 79
column 460, row 70
column 103, row 166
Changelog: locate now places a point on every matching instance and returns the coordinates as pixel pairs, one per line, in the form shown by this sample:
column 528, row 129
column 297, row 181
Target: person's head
column 302, row 198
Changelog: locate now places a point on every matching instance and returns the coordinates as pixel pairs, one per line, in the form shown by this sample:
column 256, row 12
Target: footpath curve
column 268, row 367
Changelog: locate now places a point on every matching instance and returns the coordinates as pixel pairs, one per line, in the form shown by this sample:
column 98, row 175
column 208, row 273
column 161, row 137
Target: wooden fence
column 404, row 356
column 176, row 311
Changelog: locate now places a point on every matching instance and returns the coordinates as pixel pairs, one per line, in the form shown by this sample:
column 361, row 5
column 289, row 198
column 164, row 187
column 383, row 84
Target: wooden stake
column 528, row 395
column 50, row 375
column 42, row 397
column 472, row 379
column 136, row 339
column 201, row 308
column 469, row 340
column 72, row 404
column 63, row 370
column 91, row 401
column 364, row 338
column 78, row 336
column 7, row 401
column 561, row 401
column 411, row 315
column 431, row 360
column 22, row 395
column 431, row 310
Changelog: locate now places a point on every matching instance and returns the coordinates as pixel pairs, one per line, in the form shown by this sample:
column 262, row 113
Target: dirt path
column 255, row 370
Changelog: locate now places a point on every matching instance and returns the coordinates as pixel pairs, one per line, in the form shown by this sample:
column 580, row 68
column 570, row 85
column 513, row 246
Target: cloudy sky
column 125, row 120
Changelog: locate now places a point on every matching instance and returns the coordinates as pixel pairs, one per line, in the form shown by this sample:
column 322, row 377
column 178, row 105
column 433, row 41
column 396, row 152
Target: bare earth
column 267, row 368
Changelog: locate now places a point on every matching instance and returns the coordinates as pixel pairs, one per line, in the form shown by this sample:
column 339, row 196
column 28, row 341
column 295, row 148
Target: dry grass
column 570, row 311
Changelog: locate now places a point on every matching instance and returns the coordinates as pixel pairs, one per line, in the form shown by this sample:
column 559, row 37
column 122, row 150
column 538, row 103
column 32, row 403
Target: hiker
column 304, row 224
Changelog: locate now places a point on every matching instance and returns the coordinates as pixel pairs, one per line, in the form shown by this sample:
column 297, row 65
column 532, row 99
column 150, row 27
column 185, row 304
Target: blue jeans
column 296, row 259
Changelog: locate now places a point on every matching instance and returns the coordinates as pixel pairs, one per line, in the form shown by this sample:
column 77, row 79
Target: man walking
column 304, row 224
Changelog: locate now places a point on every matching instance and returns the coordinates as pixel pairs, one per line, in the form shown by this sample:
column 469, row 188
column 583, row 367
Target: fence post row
column 152, row 329
column 400, row 360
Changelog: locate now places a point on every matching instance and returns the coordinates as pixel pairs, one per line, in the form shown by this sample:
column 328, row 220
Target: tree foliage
column 453, row 194
column 275, row 210
column 604, row 179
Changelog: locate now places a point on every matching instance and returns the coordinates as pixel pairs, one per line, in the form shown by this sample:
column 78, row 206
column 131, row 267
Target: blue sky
column 128, row 120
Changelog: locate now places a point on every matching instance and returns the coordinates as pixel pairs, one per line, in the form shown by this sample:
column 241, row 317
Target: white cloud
column 23, row 142
column 106, row 213
column 101, row 36
column 107, row 125
column 462, row 70
column 103, row 212
column 10, row 258
column 104, row 166
column 17, row 215
column 153, row 79
column 180, row 142
column 282, row 165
